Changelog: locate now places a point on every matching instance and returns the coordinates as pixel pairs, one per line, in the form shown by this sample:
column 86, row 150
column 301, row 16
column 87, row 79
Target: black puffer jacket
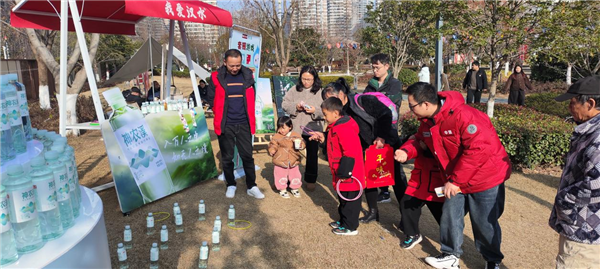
column 374, row 121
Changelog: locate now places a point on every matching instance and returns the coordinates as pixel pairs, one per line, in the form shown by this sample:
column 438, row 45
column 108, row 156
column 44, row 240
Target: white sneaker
column 230, row 191
column 444, row 260
column 255, row 192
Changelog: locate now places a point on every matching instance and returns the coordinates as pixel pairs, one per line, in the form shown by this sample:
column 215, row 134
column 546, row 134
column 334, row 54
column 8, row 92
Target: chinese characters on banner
column 379, row 166
column 250, row 47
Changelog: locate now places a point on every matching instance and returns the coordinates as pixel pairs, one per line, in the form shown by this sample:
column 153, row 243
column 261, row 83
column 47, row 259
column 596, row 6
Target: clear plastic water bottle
column 150, row 224
column 23, row 214
column 203, row 261
column 48, row 141
column 218, row 223
column 7, row 152
column 128, row 237
column 178, row 223
column 164, row 237
column 216, row 240
column 8, row 95
column 66, row 160
column 63, row 191
column 144, row 108
column 154, row 256
column 8, row 252
column 71, row 153
column 202, row 211
column 231, row 216
column 46, row 201
column 23, row 106
column 122, row 254
column 176, row 209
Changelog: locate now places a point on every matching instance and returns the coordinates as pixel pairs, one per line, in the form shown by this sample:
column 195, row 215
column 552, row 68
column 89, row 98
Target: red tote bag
column 379, row 166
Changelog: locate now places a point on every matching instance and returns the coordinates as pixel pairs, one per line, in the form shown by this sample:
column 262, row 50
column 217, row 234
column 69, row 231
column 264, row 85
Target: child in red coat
column 343, row 146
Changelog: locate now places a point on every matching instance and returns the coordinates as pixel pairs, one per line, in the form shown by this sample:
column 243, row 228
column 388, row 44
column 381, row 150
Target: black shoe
column 492, row 265
column 411, row 241
column 384, row 197
column 335, row 224
column 344, row 231
column 371, row 216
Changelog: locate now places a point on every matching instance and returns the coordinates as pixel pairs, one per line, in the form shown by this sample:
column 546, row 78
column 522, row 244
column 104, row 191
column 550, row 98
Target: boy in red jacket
column 346, row 163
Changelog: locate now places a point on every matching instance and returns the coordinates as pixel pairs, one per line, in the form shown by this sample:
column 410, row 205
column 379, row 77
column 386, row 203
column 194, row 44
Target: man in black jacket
column 475, row 83
column 392, row 87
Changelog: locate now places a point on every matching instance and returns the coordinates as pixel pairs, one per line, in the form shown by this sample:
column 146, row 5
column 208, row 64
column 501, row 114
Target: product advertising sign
column 155, row 156
column 249, row 46
column 281, row 85
column 265, row 117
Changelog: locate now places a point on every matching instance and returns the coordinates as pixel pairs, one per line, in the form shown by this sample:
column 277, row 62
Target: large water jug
column 23, row 106
column 8, row 95
column 7, row 152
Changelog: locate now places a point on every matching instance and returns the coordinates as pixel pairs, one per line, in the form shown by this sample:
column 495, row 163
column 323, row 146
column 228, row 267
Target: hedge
column 531, row 138
column 408, row 77
column 328, row 79
column 544, row 102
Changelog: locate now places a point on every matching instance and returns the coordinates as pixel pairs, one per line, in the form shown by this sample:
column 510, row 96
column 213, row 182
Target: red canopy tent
column 111, row 17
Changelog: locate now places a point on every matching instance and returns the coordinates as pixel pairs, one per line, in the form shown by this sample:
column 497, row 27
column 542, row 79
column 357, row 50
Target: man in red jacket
column 231, row 95
column 474, row 165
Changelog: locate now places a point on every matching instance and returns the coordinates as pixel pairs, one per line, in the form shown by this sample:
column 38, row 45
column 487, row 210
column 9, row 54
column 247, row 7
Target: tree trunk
column 569, row 69
column 71, row 112
column 44, row 91
column 492, row 89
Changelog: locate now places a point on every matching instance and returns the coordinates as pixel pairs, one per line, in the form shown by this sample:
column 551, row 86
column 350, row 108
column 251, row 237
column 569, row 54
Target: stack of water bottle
column 166, row 105
column 16, row 126
column 164, row 236
column 39, row 205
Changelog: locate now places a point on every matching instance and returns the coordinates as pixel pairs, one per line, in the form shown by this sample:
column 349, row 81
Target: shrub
column 553, row 87
column 409, row 124
column 544, row 102
column 328, row 79
column 266, row 74
column 455, row 69
column 408, row 77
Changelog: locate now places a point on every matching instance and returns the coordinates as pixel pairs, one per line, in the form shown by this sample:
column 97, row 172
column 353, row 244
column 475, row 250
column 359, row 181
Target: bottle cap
column 120, row 245
column 218, row 217
column 51, row 155
column 127, row 227
column 164, row 227
column 15, row 170
column 215, row 229
column 202, row 201
column 150, row 214
column 42, row 133
column 204, row 243
column 154, row 245
column 176, row 204
column 37, row 161
column 230, row 206
column 58, row 148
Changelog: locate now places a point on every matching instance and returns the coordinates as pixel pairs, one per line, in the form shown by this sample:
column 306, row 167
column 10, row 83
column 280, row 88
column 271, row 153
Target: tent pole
column 190, row 62
column 162, row 66
column 86, row 60
column 170, row 57
column 64, row 31
column 152, row 64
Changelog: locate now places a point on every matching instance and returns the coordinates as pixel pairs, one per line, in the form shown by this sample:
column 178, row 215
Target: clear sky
column 230, row 5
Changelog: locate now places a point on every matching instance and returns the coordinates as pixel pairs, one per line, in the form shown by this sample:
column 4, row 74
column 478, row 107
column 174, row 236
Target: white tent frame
column 65, row 5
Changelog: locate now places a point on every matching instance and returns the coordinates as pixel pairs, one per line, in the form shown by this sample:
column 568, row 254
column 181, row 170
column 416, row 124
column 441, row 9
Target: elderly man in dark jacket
column 475, row 83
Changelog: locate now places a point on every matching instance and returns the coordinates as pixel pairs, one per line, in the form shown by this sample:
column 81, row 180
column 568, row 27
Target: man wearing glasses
column 474, row 167
column 392, row 87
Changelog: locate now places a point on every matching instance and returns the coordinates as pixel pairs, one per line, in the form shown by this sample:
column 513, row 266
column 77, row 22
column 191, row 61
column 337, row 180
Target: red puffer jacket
column 466, row 145
column 343, row 140
column 427, row 175
column 220, row 102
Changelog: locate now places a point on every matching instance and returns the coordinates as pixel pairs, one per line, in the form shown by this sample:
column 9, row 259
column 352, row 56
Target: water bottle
column 122, row 254
column 154, row 256
column 128, row 237
column 231, row 216
column 150, row 224
column 7, row 152
column 66, row 160
column 218, row 223
column 202, row 211
column 63, row 192
column 178, row 223
column 164, row 237
column 203, row 261
column 48, row 140
column 41, row 135
column 144, row 108
column 176, row 209
column 23, row 214
column 8, row 95
column 71, row 153
column 46, row 201
column 216, row 240
column 23, row 106
column 8, row 252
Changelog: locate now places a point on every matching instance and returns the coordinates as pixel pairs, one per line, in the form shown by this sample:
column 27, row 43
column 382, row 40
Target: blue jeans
column 485, row 209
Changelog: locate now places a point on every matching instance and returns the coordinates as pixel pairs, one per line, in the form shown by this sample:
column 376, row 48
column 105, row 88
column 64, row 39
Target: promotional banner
column 249, row 46
column 265, row 116
column 281, row 85
column 154, row 156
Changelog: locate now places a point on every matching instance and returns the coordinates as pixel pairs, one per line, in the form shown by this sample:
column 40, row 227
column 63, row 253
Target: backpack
column 383, row 99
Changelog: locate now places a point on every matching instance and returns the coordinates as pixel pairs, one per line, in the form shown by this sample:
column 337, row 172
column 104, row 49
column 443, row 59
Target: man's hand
column 379, row 142
column 310, row 110
column 401, row 156
column 317, row 136
column 299, row 107
column 450, row 190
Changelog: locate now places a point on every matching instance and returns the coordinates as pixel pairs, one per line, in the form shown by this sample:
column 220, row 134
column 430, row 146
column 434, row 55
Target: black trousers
column 312, row 160
column 516, row 97
column 411, row 213
column 474, row 94
column 237, row 135
column 349, row 211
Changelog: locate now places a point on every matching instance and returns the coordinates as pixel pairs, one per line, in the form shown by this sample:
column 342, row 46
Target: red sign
column 379, row 166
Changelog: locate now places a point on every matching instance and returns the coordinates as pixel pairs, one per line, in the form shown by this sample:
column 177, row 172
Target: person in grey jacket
column 303, row 103
column 576, row 211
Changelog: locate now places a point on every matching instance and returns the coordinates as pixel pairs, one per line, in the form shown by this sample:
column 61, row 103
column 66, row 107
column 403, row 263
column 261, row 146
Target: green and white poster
column 265, row 117
column 155, row 156
column 281, row 85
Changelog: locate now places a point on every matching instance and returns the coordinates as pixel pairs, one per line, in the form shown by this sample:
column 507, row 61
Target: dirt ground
column 294, row 233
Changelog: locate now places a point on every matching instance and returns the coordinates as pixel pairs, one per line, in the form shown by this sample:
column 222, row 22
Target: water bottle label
column 62, row 186
column 140, row 148
column 4, row 214
column 127, row 236
column 231, row 215
column 122, row 254
column 164, row 236
column 201, row 209
column 23, row 205
column 45, row 195
column 150, row 222
column 178, row 219
column 5, row 117
column 154, row 254
column 14, row 112
column 215, row 238
column 204, row 253
column 176, row 210
column 22, row 97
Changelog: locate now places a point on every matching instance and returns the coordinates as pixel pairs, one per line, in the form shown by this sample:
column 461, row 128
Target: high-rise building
column 200, row 32
column 156, row 27
column 338, row 19
column 311, row 14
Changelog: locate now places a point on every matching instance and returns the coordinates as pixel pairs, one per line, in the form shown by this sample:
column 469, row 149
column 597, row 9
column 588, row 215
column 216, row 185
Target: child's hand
column 317, row 136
